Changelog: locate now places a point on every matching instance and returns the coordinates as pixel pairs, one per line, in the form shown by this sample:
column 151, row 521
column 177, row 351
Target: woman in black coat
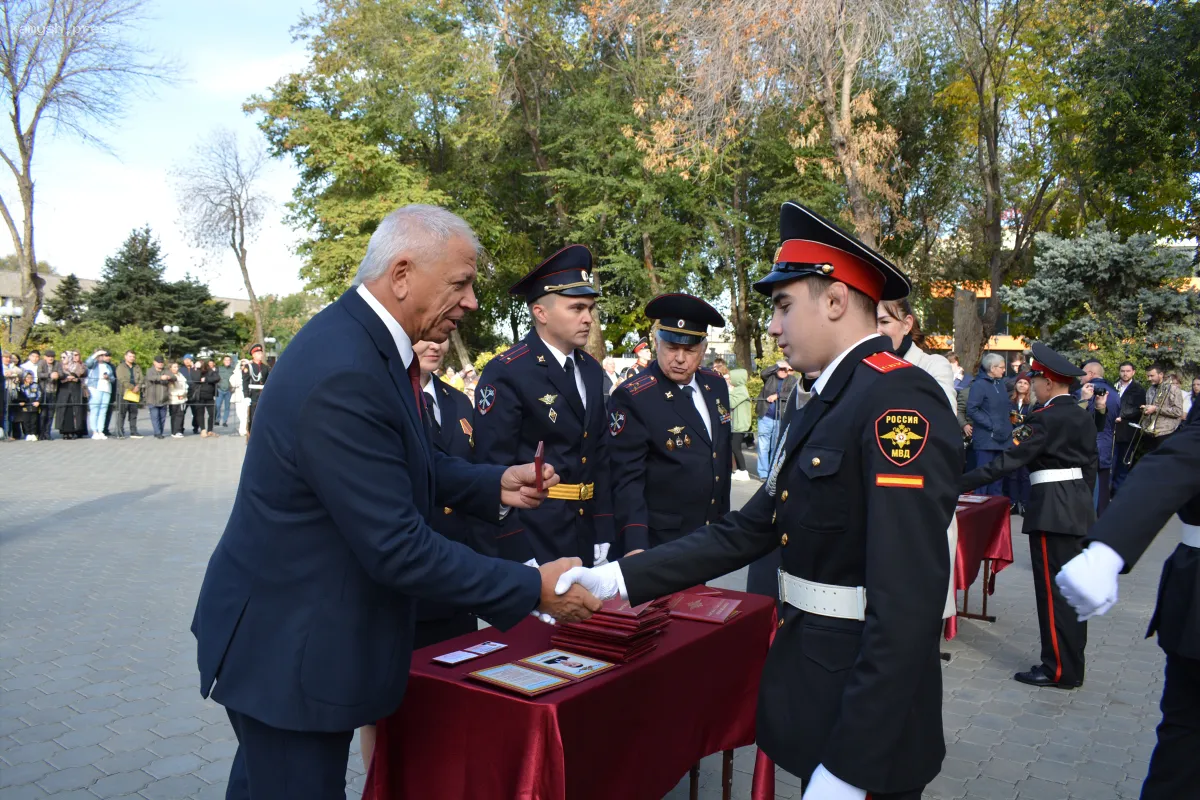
column 206, row 395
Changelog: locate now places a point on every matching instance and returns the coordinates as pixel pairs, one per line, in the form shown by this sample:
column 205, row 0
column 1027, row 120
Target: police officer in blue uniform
column 860, row 494
column 1164, row 482
column 670, row 432
column 547, row 389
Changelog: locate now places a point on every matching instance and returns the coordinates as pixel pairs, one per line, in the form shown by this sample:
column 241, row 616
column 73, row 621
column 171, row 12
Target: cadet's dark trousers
column 250, row 413
column 1174, row 768
column 274, row 764
column 1063, row 635
column 1119, row 468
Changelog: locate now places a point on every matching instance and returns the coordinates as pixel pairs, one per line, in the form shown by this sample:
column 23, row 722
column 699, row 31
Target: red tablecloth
column 629, row 733
column 984, row 532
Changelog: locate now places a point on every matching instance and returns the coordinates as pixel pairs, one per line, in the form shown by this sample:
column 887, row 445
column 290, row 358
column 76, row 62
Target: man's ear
column 400, row 277
column 836, row 301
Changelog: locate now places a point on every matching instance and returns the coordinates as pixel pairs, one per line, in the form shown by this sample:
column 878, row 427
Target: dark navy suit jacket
column 306, row 614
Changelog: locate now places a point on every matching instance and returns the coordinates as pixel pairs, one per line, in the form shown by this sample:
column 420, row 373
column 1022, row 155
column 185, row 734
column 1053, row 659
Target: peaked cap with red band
column 566, row 272
column 1050, row 365
column 812, row 245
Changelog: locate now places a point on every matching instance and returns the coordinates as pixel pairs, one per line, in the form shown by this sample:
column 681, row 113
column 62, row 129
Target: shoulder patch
column 513, row 353
column 616, row 422
column 901, row 434
column 487, row 399
column 640, row 384
column 885, row 362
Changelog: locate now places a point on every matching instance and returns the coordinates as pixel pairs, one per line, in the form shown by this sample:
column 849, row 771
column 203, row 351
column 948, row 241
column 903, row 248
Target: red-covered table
column 631, row 732
column 984, row 539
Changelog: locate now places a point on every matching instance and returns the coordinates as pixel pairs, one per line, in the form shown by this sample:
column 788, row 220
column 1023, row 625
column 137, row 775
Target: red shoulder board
column 513, row 353
column 710, row 372
column 635, row 385
column 885, row 362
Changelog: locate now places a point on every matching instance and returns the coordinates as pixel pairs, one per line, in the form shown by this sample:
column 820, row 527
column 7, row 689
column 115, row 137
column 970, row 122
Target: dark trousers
column 197, row 415
column 1119, row 469
column 996, row 487
column 46, row 422
column 127, row 411
column 1018, row 487
column 739, row 458
column 274, row 764
column 250, row 413
column 1103, row 491
column 1063, row 635
column 1174, row 768
column 158, row 420
column 177, row 413
column 208, row 413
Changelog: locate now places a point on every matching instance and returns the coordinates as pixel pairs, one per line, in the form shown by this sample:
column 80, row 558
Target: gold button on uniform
column 780, row 623
column 717, row 479
column 447, row 510
column 714, row 455
column 581, row 512
column 783, row 540
column 583, row 460
column 585, row 434
column 816, row 462
column 783, row 497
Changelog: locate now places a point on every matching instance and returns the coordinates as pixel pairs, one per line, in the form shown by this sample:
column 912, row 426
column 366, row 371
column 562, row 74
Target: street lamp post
column 169, row 330
column 270, row 340
column 11, row 312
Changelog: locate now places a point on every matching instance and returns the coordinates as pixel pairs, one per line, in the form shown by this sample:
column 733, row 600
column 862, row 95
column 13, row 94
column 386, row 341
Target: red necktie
column 414, row 377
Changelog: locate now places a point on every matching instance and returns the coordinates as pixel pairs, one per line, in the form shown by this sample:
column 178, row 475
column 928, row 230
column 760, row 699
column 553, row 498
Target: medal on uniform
column 548, row 399
column 553, row 415
column 724, row 412
column 670, row 444
column 687, row 440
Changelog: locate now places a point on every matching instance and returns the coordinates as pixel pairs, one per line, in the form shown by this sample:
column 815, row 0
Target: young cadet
column 858, row 500
column 670, row 432
column 547, row 389
column 1060, row 452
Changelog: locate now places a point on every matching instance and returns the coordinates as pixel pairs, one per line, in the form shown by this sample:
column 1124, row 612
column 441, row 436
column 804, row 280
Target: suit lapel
column 558, row 376
column 593, row 384
column 358, row 308
column 445, row 437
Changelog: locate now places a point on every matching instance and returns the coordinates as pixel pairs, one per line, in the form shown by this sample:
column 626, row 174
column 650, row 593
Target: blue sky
column 87, row 200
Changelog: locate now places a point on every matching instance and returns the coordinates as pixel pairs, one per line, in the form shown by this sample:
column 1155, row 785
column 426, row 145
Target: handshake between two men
column 562, row 600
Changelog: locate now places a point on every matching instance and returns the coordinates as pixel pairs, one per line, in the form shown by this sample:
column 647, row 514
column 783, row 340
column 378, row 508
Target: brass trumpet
column 1138, row 435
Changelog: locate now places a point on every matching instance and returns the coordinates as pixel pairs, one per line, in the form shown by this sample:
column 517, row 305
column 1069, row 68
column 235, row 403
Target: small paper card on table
column 564, row 662
column 519, row 679
column 483, row 648
column 973, row 498
column 457, row 657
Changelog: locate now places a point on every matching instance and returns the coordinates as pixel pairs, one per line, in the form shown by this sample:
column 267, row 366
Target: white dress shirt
column 827, row 373
column 403, row 343
column 561, row 357
column 700, row 404
column 430, row 390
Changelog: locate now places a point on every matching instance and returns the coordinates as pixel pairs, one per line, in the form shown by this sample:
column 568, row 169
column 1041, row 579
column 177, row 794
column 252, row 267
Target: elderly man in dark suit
column 305, row 620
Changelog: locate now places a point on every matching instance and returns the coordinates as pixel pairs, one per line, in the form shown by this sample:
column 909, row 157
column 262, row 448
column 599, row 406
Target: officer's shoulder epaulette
column 712, row 373
column 885, row 362
column 638, row 384
column 513, row 353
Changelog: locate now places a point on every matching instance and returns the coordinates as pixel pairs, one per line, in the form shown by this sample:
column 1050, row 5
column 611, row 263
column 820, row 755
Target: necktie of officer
column 688, row 409
column 414, row 377
column 569, row 367
column 430, row 412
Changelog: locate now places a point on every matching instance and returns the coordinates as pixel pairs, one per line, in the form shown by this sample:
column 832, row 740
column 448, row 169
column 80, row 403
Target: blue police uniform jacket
column 306, row 614
column 671, row 476
column 524, row 397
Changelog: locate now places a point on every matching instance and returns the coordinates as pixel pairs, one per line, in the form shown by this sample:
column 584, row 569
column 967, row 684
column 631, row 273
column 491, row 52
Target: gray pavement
column 103, row 545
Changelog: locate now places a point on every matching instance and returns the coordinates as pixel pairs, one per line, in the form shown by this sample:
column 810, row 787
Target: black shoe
column 1037, row 676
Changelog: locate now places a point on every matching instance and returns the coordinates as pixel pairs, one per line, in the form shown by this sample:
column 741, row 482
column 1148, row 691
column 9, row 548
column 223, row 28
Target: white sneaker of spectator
column 741, row 475
column 99, row 435
column 31, row 438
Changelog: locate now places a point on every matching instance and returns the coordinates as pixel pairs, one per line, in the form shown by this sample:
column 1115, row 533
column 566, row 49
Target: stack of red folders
column 618, row 632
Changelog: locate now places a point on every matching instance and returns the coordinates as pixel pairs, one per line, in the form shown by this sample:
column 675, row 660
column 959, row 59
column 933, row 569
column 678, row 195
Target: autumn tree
column 222, row 202
column 71, row 64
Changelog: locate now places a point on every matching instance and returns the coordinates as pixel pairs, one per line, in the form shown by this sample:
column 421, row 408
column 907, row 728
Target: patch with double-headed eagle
column 901, row 434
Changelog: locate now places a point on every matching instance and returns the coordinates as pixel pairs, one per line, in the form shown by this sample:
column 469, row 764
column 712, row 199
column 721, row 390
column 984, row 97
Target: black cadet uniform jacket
column 862, row 496
column 1061, row 435
column 671, row 476
column 455, row 438
column 525, row 397
column 1164, row 482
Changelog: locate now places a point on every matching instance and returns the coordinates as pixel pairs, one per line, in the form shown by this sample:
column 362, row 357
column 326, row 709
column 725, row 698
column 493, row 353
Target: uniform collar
column 559, row 355
column 695, row 385
column 828, row 372
column 403, row 342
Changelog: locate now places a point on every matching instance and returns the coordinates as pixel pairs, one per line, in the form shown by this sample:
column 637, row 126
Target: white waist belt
column 1191, row 535
column 1055, row 475
column 843, row 602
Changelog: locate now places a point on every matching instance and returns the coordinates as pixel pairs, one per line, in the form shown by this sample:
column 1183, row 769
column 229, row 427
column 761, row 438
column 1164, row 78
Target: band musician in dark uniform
column 254, row 378
column 670, row 431
column 1060, row 452
column 858, row 499
column 1164, row 482
column 546, row 388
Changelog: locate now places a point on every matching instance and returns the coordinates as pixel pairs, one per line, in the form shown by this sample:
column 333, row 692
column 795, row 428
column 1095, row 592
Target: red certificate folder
column 717, row 610
column 539, row 458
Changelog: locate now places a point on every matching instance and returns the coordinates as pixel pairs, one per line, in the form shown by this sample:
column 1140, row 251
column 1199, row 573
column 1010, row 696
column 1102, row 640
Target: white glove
column 604, row 582
column 1089, row 580
column 600, row 554
column 824, row 785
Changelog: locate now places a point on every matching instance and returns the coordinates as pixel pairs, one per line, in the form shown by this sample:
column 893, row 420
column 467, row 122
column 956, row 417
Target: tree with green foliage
column 132, row 291
column 1100, row 290
column 89, row 336
column 66, row 306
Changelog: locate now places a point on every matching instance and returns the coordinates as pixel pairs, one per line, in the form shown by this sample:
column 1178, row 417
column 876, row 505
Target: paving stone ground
column 103, row 546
